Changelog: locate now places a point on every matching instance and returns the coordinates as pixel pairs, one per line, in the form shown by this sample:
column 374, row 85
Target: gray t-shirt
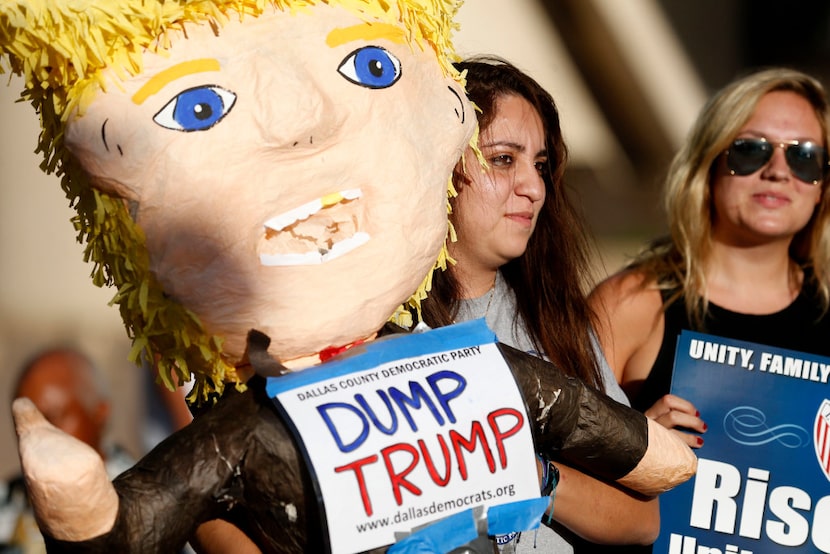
column 498, row 307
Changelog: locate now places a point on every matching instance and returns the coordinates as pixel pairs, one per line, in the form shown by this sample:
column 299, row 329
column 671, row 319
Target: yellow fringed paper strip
column 61, row 48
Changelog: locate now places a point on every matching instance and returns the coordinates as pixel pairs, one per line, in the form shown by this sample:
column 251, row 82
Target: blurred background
column 628, row 76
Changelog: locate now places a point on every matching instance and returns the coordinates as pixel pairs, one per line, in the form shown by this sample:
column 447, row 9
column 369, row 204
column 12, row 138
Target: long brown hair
column 549, row 279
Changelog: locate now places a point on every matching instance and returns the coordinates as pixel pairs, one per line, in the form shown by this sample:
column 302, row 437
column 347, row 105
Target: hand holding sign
column 672, row 412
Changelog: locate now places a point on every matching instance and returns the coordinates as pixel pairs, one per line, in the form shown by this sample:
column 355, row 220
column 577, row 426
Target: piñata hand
column 71, row 494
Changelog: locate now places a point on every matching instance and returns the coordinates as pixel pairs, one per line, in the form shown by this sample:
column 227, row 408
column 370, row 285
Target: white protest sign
column 416, row 428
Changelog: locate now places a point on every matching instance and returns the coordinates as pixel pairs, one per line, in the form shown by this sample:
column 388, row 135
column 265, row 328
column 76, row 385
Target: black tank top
column 796, row 327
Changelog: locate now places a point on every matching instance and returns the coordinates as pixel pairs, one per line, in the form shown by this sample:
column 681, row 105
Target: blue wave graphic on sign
column 748, row 426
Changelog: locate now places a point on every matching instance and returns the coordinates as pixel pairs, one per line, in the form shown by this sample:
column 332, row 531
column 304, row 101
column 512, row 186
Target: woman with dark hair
column 521, row 262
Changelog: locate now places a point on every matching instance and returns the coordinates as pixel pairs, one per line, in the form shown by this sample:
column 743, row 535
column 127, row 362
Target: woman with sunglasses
column 748, row 253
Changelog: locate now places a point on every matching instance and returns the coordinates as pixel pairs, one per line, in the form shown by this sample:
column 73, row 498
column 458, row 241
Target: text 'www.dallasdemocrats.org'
column 437, row 508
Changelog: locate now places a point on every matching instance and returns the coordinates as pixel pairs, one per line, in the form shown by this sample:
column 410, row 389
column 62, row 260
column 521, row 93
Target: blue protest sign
column 763, row 480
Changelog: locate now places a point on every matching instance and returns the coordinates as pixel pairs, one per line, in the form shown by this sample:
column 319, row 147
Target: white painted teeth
column 280, row 222
column 312, row 257
column 302, row 213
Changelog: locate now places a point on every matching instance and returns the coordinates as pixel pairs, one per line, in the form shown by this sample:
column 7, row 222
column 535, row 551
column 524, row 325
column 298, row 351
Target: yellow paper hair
column 61, row 49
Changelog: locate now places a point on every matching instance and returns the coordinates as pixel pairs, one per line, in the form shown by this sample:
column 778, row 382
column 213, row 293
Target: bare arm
column 630, row 330
column 220, row 537
column 604, row 513
column 174, row 402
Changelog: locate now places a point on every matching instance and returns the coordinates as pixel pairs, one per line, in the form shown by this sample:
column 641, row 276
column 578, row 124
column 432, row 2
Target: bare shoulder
column 626, row 289
column 628, row 308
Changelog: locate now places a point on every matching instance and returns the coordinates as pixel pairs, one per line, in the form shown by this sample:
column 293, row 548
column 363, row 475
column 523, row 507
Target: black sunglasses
column 807, row 160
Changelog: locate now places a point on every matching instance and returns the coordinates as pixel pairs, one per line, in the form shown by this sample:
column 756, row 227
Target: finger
column 658, row 409
column 669, row 403
column 679, row 419
column 692, row 440
column 678, row 404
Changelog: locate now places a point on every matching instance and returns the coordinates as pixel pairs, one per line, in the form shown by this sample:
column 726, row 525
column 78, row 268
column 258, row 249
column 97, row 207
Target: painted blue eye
column 371, row 67
column 196, row 109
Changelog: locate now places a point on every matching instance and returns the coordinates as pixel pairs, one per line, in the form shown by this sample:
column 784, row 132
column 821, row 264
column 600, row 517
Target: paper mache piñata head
column 270, row 164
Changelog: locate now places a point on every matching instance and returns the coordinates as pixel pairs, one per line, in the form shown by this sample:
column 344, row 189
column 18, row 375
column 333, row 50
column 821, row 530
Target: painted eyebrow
column 365, row 31
column 161, row 79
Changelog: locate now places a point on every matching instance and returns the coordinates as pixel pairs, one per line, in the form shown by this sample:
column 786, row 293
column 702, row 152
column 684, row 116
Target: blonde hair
column 62, row 53
column 679, row 261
